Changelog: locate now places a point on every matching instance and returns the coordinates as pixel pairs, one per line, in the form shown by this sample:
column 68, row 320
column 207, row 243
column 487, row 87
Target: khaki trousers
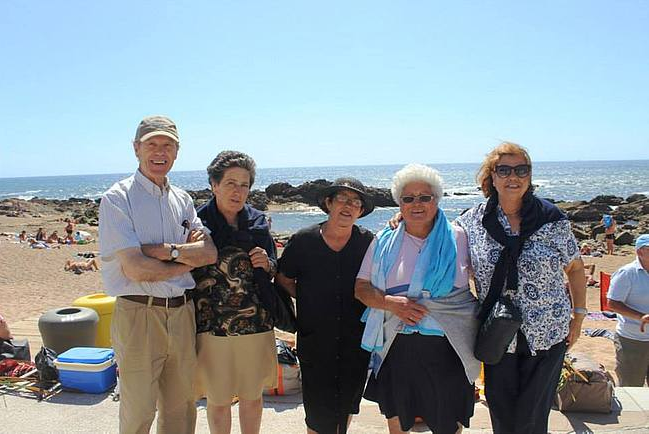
column 155, row 349
column 632, row 361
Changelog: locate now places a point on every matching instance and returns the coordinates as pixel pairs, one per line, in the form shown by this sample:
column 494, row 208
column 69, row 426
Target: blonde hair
column 484, row 177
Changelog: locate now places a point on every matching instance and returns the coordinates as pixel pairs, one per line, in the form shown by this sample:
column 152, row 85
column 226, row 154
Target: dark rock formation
column 309, row 192
column 635, row 198
column 625, row 238
column 607, row 200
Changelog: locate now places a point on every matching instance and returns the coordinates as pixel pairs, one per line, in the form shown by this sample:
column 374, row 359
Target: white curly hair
column 417, row 173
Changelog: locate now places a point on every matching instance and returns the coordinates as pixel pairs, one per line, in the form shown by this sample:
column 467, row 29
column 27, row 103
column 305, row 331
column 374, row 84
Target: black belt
column 158, row 301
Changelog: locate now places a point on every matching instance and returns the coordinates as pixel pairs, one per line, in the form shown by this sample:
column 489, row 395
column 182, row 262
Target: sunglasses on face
column 522, row 170
column 341, row 198
column 423, row 198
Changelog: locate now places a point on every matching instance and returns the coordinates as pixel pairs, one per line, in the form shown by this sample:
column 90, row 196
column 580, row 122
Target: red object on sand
column 604, row 282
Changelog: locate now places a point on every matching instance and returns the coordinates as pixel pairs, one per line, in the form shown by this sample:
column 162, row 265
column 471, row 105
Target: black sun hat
column 352, row 184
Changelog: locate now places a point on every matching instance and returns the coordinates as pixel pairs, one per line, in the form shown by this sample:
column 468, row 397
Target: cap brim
column 147, row 136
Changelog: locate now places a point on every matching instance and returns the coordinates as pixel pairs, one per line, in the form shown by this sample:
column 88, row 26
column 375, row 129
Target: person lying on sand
column 5, row 333
column 589, row 270
column 54, row 238
column 81, row 266
column 34, row 244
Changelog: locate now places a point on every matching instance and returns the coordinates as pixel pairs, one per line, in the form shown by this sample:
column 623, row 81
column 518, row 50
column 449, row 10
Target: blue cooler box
column 87, row 369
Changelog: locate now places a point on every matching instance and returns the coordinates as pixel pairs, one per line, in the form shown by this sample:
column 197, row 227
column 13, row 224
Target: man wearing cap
column 150, row 239
column 628, row 296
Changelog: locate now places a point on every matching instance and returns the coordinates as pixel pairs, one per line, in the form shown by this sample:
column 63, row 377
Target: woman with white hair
column 420, row 321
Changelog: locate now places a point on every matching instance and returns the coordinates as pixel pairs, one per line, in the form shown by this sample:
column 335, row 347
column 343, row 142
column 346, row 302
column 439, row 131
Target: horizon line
column 317, row 166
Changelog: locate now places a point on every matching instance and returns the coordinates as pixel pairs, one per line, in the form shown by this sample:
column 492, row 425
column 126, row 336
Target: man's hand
column 643, row 322
column 259, row 259
column 408, row 311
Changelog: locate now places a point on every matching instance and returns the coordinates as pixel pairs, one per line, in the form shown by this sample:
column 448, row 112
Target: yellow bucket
column 102, row 304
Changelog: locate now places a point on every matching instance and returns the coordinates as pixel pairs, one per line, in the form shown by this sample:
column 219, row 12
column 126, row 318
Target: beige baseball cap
column 156, row 126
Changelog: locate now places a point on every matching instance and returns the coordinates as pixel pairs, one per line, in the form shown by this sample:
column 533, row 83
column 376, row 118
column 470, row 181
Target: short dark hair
column 228, row 159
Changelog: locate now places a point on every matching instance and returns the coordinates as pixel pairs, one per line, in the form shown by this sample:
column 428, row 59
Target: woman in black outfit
column 319, row 267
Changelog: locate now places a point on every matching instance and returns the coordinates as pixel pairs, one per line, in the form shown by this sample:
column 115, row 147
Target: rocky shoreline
column 631, row 213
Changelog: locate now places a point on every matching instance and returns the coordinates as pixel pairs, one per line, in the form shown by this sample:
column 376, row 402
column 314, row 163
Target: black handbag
column 279, row 303
column 17, row 349
column 47, row 370
column 497, row 331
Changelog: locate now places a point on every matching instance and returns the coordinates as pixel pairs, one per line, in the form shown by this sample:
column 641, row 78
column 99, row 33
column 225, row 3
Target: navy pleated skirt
column 423, row 376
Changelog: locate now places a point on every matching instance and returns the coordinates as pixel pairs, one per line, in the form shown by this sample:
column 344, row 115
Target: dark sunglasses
column 423, row 198
column 522, row 170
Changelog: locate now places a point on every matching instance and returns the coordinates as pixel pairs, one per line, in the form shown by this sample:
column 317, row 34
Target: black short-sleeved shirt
column 334, row 366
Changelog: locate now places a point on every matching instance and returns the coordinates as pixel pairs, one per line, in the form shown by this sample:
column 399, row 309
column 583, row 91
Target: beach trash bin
column 68, row 327
column 87, row 369
column 102, row 304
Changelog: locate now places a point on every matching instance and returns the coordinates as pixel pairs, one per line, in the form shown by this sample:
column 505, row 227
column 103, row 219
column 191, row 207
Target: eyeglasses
column 423, row 198
column 522, row 170
column 341, row 198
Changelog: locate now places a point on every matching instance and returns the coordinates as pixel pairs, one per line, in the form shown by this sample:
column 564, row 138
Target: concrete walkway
column 84, row 413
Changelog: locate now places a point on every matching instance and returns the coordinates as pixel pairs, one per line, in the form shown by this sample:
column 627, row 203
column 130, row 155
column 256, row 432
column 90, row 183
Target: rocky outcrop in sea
column 631, row 213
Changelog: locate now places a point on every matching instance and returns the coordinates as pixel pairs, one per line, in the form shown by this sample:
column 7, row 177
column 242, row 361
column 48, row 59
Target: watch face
column 175, row 253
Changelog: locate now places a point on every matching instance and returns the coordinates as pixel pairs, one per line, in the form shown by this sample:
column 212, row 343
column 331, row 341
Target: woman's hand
column 575, row 329
column 408, row 311
column 196, row 235
column 394, row 221
column 259, row 259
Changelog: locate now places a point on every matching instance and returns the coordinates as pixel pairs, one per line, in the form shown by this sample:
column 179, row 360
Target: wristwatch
column 580, row 310
column 174, row 252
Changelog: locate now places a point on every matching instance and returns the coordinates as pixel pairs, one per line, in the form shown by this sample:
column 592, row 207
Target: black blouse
column 328, row 315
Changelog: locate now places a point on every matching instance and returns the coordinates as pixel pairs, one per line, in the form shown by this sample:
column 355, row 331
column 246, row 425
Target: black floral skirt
column 422, row 376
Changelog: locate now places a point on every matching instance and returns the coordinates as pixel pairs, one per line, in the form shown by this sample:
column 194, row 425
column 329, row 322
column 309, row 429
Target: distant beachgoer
column 589, row 270
column 5, row 333
column 628, row 296
column 319, row 268
column 609, row 232
column 23, row 236
column 585, row 250
column 81, row 266
column 41, row 235
column 69, row 239
column 54, row 238
column 83, row 237
column 69, row 228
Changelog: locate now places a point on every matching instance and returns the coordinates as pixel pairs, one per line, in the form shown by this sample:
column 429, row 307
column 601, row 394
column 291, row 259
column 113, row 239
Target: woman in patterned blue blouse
column 526, row 242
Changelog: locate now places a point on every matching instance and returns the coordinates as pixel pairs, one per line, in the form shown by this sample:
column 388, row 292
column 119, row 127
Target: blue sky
column 298, row 83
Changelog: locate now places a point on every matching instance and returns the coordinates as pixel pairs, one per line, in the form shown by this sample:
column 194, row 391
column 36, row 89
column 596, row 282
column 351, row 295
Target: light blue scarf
column 433, row 276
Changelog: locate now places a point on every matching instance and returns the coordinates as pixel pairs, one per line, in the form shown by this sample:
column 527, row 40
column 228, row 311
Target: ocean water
column 558, row 180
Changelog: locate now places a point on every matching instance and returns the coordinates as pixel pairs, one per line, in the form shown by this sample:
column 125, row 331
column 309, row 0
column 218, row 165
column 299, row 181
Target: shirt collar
column 149, row 186
column 638, row 266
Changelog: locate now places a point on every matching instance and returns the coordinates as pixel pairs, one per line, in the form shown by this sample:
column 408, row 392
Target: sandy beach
column 33, row 281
